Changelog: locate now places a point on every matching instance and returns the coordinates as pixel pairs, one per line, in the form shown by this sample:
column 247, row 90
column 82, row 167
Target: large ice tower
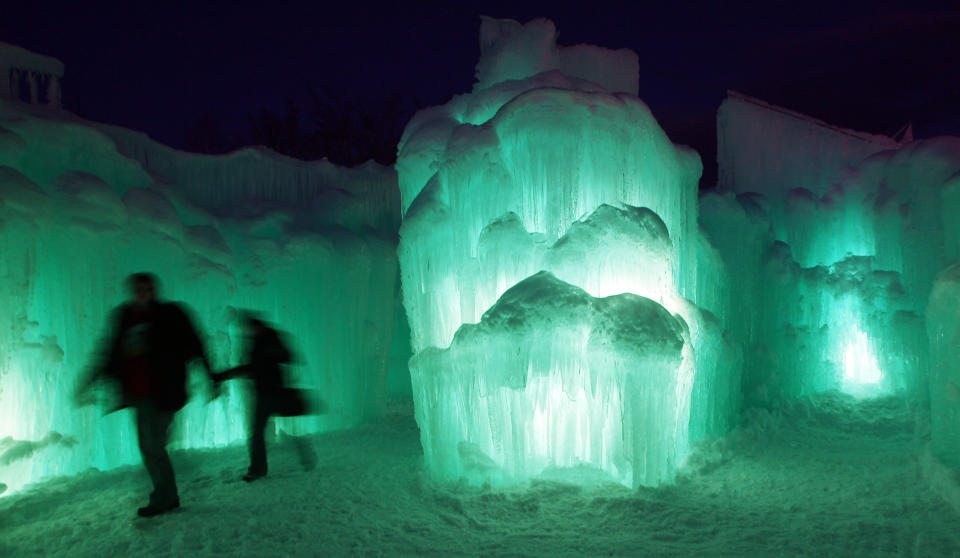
column 548, row 251
column 310, row 245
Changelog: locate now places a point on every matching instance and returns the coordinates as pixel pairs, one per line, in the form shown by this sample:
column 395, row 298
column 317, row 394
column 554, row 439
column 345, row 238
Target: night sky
column 160, row 67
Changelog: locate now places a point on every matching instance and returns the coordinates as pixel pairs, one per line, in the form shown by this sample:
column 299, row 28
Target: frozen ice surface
column 552, row 378
column 831, row 193
column 845, row 326
column 895, row 206
column 77, row 216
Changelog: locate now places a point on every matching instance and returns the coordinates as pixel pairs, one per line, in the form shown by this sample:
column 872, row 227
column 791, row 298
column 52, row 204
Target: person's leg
column 257, row 443
column 308, row 457
column 153, row 430
column 292, row 403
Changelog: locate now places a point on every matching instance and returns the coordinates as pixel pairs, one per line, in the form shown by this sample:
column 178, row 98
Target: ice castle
column 576, row 304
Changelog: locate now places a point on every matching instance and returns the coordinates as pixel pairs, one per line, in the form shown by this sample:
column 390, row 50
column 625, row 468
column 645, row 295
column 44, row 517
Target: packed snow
column 826, row 476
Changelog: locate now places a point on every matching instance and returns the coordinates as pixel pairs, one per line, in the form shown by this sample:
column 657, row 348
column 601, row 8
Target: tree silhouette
column 345, row 128
column 207, row 135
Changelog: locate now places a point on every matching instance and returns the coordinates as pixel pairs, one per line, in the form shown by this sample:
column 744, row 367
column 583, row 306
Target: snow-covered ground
column 824, row 478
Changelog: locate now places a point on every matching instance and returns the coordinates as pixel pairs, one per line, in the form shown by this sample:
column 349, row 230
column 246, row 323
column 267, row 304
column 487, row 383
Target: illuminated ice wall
column 77, row 216
column 841, row 254
column 941, row 167
column 549, row 258
column 943, row 328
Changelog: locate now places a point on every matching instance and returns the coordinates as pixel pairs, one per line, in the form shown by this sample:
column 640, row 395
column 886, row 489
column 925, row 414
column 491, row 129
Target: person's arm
column 105, row 361
column 275, row 349
column 192, row 344
column 232, row 373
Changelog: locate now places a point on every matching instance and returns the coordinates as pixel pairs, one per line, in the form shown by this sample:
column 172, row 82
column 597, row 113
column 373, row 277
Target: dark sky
column 160, row 66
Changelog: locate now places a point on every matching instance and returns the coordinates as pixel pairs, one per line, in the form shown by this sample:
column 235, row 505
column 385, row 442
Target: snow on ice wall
column 539, row 169
column 76, row 217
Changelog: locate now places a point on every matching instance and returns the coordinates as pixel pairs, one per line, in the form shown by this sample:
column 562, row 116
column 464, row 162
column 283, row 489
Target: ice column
column 553, row 213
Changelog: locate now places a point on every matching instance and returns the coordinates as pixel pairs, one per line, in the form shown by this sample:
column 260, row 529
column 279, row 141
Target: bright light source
column 860, row 369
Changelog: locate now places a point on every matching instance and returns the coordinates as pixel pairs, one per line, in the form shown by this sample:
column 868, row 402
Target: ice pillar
column 540, row 170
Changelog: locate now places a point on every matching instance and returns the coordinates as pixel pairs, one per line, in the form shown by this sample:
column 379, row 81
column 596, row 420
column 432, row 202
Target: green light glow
column 860, row 369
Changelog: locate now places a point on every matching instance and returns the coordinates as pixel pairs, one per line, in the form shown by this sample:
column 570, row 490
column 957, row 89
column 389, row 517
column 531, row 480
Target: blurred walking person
column 148, row 350
column 266, row 352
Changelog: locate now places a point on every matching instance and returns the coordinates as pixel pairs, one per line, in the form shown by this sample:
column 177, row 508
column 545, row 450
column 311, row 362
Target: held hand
column 217, row 390
column 83, row 396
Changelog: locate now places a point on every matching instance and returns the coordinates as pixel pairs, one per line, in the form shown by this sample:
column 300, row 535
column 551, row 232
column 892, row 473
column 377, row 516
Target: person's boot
column 254, row 475
column 152, row 509
column 308, row 457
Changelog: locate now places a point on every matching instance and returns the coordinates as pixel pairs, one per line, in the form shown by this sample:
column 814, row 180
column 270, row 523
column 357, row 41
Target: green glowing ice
column 860, row 368
column 550, row 173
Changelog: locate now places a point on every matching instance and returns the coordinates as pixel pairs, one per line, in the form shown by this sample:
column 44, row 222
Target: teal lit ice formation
column 860, row 366
column 603, row 381
column 809, row 271
column 546, row 194
column 943, row 328
column 842, row 235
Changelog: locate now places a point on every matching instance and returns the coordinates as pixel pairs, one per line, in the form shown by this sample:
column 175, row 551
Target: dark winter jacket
column 171, row 341
column 265, row 355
